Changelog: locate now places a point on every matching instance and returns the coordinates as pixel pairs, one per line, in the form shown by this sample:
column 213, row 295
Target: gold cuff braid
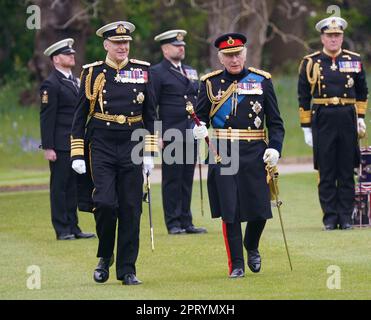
column 305, row 116
column 361, row 107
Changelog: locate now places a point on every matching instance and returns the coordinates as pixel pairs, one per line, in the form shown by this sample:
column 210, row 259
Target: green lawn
column 188, row 266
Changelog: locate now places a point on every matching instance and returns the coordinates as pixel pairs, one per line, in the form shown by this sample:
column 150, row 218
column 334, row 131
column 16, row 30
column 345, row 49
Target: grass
column 189, row 266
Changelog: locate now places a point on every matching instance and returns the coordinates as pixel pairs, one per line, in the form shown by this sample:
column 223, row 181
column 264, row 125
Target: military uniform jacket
column 123, row 92
column 59, row 97
column 334, row 81
column 172, row 91
column 244, row 195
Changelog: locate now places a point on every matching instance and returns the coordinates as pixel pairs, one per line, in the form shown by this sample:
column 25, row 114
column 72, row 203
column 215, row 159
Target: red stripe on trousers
column 227, row 246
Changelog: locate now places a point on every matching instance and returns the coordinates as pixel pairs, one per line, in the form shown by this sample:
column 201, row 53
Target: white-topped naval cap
column 175, row 37
column 117, row 31
column 64, row 46
column 332, row 25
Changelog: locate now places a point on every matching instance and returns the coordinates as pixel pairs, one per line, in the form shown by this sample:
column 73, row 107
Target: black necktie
column 74, row 81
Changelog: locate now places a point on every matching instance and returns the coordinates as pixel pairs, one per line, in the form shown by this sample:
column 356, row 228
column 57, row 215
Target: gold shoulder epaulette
column 96, row 63
column 312, row 54
column 145, row 63
column 261, row 72
column 351, row 52
column 211, row 74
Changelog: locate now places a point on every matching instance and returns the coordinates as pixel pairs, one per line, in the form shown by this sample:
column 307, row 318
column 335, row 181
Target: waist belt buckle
column 335, row 100
column 121, row 119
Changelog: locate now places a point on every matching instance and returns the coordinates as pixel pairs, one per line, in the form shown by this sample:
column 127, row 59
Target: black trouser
column 336, row 157
column 177, row 181
column 233, row 241
column 63, row 195
column 117, row 196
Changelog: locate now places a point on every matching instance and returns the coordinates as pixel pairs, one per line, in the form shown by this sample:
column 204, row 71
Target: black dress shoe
column 237, row 273
column 101, row 272
column 346, row 226
column 66, row 237
column 84, row 235
column 130, row 279
column 329, row 227
column 193, row 229
column 176, row 230
column 254, row 260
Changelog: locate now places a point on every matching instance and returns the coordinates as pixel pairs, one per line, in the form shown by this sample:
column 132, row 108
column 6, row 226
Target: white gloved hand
column 79, row 166
column 308, row 137
column 271, row 157
column 200, row 132
column 148, row 164
column 361, row 127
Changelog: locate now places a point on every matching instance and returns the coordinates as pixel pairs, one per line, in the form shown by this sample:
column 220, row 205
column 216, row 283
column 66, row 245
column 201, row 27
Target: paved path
column 284, row 168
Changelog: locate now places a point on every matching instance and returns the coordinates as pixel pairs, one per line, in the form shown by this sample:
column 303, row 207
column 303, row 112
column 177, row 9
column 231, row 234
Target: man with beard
column 175, row 84
column 59, row 96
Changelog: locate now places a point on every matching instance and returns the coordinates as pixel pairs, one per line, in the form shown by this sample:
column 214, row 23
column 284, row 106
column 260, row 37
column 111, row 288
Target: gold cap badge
column 120, row 29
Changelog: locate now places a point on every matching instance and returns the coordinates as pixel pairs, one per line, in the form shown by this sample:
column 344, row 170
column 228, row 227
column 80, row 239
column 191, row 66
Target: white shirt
column 64, row 73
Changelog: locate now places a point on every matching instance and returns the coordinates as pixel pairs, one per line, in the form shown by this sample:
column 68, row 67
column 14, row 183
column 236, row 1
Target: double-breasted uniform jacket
column 113, row 98
column 240, row 108
column 110, row 105
column 58, row 104
column 172, row 91
column 332, row 83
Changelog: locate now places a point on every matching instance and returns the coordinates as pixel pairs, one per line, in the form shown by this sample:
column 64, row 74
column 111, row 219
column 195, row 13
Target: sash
column 251, row 84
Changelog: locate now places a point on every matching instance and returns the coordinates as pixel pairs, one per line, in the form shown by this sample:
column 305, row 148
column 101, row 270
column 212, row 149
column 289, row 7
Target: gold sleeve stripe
column 361, row 107
column 305, row 116
column 77, row 152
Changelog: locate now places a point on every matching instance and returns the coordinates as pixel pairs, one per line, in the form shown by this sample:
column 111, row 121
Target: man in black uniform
column 116, row 96
column 174, row 85
column 237, row 102
column 59, row 95
column 332, row 94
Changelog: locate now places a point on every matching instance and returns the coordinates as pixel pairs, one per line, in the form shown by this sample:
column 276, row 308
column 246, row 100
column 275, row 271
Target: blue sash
column 219, row 117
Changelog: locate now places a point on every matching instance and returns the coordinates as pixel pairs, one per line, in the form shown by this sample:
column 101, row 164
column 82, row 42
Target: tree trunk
column 59, row 19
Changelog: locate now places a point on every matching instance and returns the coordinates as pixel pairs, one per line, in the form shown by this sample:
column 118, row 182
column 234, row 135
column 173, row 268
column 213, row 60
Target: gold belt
column 118, row 118
column 239, row 134
column 334, row 101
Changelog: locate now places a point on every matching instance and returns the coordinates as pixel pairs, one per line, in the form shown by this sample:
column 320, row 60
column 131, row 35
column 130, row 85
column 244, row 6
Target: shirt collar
column 66, row 74
column 114, row 65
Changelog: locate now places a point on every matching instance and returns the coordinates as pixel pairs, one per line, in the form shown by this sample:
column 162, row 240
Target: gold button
column 104, row 70
column 108, row 124
column 106, row 112
column 131, row 69
column 313, row 112
column 251, row 102
column 321, row 68
column 104, row 91
column 222, row 81
column 345, row 95
column 250, row 115
column 134, row 101
column 195, row 97
column 189, row 117
column 319, row 60
column 135, row 90
column 248, row 128
column 227, row 117
column 326, row 104
column 132, row 113
column 185, row 97
column 104, row 102
column 348, row 76
column 346, row 86
column 323, row 86
column 325, row 95
column 322, row 77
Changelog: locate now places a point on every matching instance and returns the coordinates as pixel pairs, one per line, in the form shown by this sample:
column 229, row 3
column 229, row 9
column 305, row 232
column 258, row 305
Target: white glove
column 361, row 127
column 308, row 137
column 271, row 157
column 148, row 164
column 200, row 132
column 79, row 166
